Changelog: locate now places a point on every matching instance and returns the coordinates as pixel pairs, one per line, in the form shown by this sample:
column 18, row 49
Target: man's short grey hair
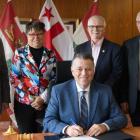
column 97, row 17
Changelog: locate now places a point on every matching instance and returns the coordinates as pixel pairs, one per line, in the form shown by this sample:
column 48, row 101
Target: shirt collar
column 79, row 89
column 99, row 43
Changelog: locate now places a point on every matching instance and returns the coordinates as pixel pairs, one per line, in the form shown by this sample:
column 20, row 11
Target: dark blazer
column 109, row 64
column 64, row 107
column 130, row 50
column 4, row 79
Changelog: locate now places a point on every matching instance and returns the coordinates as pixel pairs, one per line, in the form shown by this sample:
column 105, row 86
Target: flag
column 12, row 37
column 57, row 37
column 81, row 35
column 10, row 31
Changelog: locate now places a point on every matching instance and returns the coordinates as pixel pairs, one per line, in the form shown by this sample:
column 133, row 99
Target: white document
column 84, row 137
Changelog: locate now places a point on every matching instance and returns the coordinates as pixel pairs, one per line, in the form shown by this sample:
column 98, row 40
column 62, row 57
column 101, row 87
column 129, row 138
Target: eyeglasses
column 34, row 34
column 98, row 27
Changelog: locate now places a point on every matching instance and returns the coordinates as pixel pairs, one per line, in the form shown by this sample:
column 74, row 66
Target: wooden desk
column 37, row 136
column 4, row 126
column 135, row 131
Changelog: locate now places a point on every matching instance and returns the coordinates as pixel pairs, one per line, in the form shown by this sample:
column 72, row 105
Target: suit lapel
column 93, row 99
column 102, row 53
column 29, row 57
column 88, row 48
column 134, row 57
column 44, row 59
column 75, row 102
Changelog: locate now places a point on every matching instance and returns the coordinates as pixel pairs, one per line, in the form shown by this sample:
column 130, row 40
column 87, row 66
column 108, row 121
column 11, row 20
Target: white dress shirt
column 79, row 89
column 96, row 49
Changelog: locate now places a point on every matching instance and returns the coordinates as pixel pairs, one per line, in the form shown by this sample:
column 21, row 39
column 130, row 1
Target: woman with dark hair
column 33, row 67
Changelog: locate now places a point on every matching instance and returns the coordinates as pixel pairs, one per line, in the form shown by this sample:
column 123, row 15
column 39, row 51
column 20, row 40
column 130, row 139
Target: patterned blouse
column 27, row 78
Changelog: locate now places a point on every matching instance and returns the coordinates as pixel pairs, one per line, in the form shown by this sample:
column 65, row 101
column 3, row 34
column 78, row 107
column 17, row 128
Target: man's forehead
column 80, row 62
column 95, row 21
column 138, row 17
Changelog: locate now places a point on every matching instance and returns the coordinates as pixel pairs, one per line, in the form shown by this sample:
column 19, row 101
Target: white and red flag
column 10, row 30
column 12, row 37
column 57, row 37
column 80, row 35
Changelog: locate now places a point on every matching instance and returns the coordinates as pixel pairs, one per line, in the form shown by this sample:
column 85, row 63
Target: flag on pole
column 57, row 37
column 12, row 37
column 80, row 35
column 10, row 31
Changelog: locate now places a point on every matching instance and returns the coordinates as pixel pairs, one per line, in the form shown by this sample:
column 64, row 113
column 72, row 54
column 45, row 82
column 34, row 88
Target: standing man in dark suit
column 131, row 75
column 67, row 115
column 4, row 81
column 106, row 54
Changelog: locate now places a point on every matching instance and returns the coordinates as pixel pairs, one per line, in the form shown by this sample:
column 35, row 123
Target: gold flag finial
column 10, row 131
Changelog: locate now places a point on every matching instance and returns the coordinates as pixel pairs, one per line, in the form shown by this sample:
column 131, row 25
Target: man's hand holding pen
column 74, row 130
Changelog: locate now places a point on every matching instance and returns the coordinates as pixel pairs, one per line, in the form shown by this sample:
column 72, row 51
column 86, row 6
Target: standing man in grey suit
column 4, row 81
column 131, row 75
column 106, row 54
column 73, row 113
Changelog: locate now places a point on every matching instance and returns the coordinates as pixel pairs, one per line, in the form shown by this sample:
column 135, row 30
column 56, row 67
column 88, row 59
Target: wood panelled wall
column 119, row 14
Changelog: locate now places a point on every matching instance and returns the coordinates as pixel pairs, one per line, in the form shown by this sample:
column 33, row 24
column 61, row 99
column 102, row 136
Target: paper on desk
column 84, row 137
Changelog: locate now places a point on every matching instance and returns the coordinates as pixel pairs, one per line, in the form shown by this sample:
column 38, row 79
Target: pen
column 79, row 130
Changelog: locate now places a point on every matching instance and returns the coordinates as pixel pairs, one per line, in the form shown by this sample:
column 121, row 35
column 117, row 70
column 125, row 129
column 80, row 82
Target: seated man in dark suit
column 82, row 106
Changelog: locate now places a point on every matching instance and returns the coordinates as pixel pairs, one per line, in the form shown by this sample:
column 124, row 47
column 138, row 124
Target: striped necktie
column 84, row 111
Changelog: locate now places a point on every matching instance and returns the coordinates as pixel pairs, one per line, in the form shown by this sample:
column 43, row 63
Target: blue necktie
column 84, row 111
